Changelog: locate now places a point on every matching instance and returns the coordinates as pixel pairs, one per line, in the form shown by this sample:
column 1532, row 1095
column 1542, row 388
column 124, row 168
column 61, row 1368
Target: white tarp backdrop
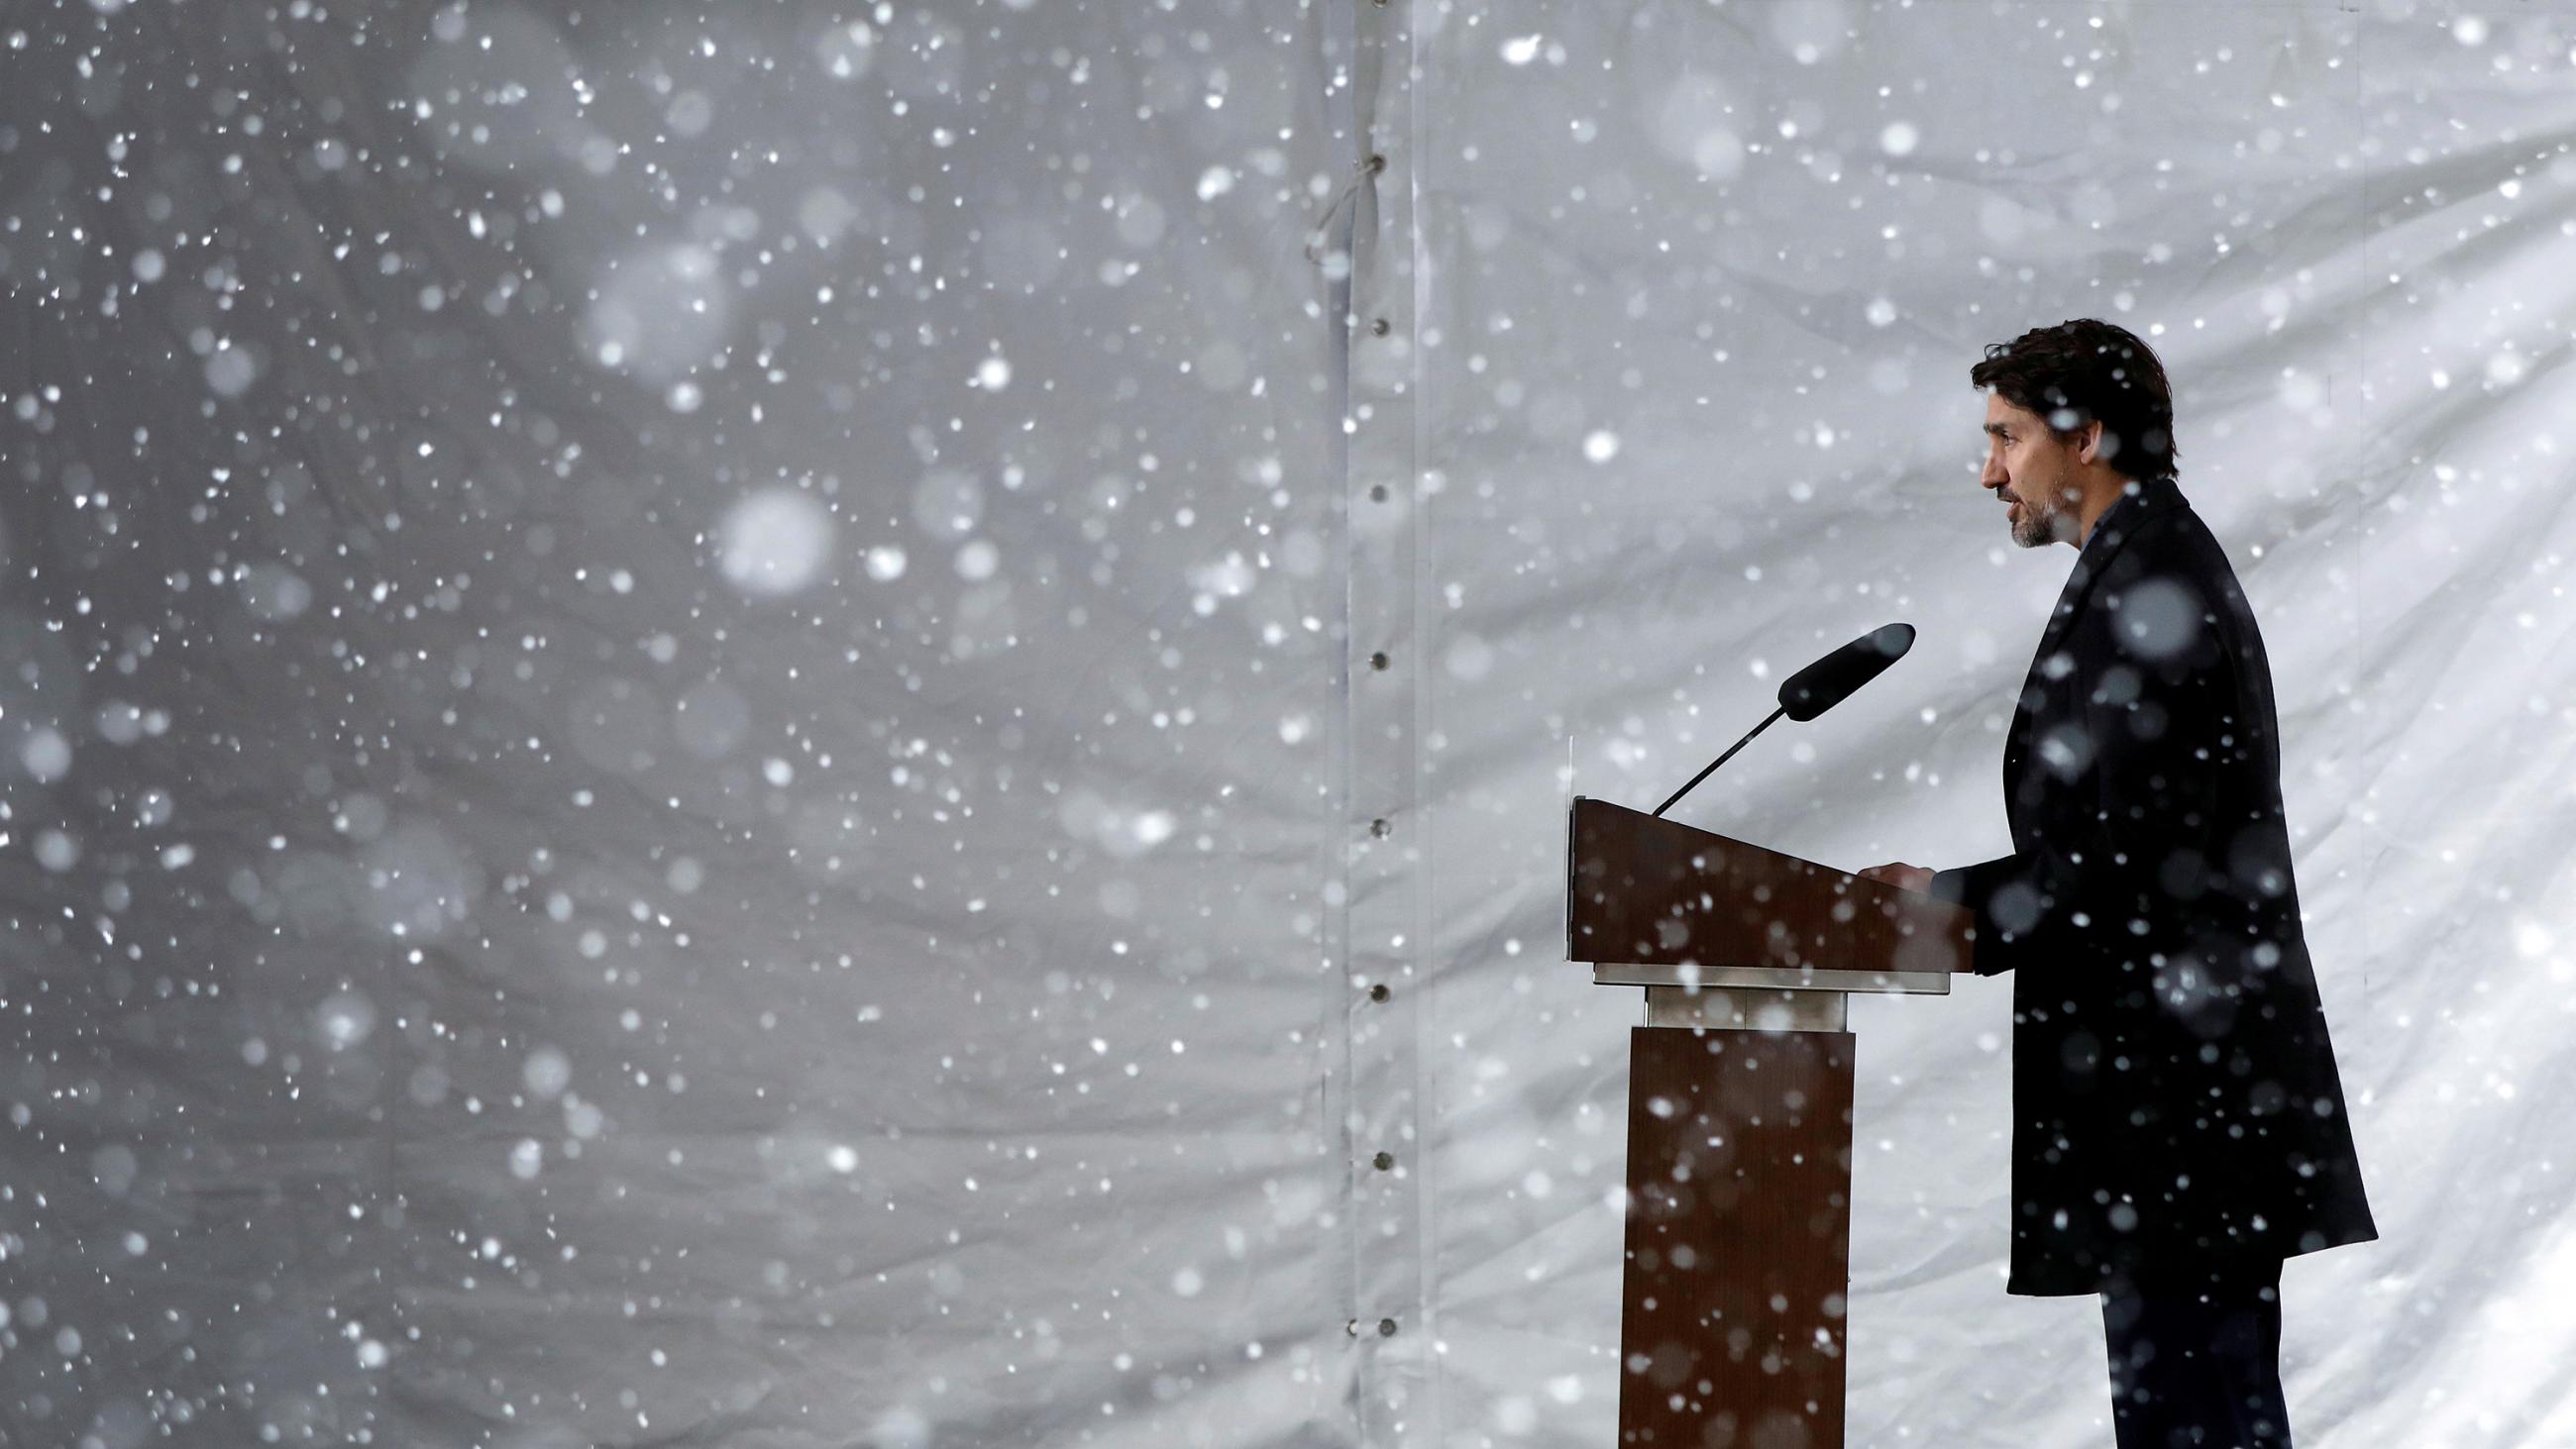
column 718, row 719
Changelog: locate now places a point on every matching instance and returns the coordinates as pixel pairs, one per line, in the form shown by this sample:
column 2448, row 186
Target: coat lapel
column 2110, row 531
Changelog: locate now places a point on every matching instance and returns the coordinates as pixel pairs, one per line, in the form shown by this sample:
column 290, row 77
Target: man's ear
column 2088, row 449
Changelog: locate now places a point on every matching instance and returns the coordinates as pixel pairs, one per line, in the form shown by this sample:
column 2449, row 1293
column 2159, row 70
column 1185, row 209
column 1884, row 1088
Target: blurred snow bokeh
column 687, row 759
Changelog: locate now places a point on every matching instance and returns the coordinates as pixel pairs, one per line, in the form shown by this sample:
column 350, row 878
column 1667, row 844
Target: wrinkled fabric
column 809, row 725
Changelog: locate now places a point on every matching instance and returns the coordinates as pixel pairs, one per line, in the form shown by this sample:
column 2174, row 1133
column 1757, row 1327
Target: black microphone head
column 1827, row 682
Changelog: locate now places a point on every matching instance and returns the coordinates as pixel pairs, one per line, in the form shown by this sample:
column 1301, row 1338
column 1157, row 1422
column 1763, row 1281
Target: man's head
column 2075, row 411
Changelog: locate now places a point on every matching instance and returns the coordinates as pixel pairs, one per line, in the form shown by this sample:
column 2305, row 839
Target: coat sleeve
column 2137, row 770
column 1998, row 947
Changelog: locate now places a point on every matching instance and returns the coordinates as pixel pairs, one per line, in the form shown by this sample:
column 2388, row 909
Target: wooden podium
column 1739, row 1112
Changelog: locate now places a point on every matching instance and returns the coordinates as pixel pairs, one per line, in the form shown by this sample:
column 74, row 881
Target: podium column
column 1738, row 1238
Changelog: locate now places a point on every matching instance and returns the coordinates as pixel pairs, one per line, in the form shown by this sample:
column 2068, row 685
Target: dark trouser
column 2188, row 1372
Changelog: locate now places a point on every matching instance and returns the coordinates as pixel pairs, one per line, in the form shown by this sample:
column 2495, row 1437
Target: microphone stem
column 1722, row 759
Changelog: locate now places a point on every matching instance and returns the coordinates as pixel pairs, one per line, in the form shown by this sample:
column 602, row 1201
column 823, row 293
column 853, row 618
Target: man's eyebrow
column 1995, row 428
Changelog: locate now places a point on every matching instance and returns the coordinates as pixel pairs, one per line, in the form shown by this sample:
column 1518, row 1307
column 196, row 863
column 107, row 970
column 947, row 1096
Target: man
column 2178, row 1122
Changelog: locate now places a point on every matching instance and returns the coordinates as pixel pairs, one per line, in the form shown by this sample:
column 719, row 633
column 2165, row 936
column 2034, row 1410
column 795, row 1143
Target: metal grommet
column 1376, row 162
column 1377, row 659
column 1381, row 327
column 1386, row 1328
column 1383, row 1161
column 1379, row 827
column 1379, row 992
column 1351, row 1326
column 1377, row 493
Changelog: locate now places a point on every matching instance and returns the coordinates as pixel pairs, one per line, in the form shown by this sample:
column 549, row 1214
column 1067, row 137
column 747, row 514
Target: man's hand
column 1903, row 877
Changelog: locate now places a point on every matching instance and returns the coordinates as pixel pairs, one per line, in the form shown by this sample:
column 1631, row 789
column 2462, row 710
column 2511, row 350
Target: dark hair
column 2081, row 370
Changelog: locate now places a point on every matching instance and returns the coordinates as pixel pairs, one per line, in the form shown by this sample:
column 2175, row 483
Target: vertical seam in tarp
column 1339, row 228
column 1383, row 664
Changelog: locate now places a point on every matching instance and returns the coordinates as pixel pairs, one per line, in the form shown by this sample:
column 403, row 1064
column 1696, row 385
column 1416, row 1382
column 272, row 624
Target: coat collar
column 2138, row 503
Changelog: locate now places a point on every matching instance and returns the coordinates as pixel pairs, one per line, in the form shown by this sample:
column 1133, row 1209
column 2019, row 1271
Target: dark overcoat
column 2175, row 1102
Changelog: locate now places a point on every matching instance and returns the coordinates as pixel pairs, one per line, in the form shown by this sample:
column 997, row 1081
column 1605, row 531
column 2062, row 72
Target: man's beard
column 2036, row 529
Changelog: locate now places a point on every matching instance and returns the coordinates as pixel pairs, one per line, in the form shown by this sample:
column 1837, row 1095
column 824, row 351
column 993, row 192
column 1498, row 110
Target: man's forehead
column 2001, row 413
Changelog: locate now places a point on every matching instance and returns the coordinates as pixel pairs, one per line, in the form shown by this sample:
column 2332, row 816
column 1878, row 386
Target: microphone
column 1820, row 686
